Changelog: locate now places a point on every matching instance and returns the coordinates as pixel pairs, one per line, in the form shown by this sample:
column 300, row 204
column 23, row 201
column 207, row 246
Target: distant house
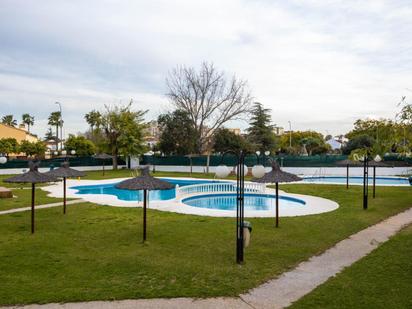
column 334, row 144
column 278, row 130
column 20, row 133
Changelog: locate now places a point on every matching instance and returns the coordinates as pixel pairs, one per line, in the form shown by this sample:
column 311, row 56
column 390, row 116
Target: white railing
column 250, row 187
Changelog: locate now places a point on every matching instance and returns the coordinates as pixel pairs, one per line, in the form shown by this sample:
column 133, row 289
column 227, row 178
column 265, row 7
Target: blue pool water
column 358, row 180
column 227, row 201
column 127, row 195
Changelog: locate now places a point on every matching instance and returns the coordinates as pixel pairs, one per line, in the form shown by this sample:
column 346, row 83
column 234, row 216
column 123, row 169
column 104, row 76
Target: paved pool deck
column 280, row 292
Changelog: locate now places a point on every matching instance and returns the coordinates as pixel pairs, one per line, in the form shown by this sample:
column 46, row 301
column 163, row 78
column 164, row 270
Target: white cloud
column 320, row 64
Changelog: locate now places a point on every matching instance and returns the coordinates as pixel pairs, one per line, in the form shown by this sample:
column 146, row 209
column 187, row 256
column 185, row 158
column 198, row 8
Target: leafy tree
column 81, row 145
column 209, row 98
column 313, row 141
column 405, row 114
column 9, row 120
column 94, row 119
column 224, row 140
column 55, row 120
column 177, row 133
column 8, row 145
column 123, row 130
column 28, row 120
column 387, row 135
column 315, row 145
column 260, row 132
column 358, row 142
column 32, row 148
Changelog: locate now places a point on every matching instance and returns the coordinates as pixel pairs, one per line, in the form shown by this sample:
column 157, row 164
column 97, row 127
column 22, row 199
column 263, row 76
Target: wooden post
column 347, row 176
column 374, row 181
column 277, row 204
column 103, row 167
column 33, row 196
column 144, row 214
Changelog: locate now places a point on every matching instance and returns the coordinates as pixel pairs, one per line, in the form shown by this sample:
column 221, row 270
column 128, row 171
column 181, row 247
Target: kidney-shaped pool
column 227, row 201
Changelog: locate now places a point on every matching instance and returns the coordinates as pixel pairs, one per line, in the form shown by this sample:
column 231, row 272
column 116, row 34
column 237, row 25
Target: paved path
column 10, row 211
column 280, row 292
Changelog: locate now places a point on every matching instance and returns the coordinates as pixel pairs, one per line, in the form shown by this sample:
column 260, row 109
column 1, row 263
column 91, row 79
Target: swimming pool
column 127, row 195
column 357, row 180
column 227, row 201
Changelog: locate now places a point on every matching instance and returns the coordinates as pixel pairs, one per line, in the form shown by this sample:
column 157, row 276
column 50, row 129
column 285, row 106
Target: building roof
column 18, row 129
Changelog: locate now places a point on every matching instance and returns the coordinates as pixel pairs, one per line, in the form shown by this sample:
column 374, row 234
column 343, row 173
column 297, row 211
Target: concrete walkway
column 10, row 211
column 280, row 292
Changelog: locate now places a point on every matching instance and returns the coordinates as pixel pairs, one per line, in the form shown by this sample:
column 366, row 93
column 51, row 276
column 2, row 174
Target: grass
column 383, row 279
column 95, row 252
column 121, row 173
column 22, row 198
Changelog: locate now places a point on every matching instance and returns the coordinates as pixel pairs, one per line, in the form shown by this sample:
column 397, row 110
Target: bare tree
column 209, row 98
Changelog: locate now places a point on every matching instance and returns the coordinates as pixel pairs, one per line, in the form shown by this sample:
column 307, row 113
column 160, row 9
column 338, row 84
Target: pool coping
column 314, row 204
column 351, row 184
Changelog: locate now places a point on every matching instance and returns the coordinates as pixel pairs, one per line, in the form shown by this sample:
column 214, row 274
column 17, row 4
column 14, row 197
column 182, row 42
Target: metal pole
column 374, row 181
column 33, row 190
column 290, row 134
column 241, row 205
column 144, row 214
column 154, row 164
column 238, row 211
column 64, row 195
column 103, row 167
column 277, row 204
column 347, row 176
column 365, row 183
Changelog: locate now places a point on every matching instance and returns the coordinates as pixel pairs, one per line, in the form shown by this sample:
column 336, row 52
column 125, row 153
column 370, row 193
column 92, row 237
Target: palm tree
column 9, row 120
column 55, row 120
column 49, row 134
column 28, row 120
column 94, row 119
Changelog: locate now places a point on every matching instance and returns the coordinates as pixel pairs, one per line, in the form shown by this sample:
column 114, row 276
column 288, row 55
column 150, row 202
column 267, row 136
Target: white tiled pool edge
column 314, row 205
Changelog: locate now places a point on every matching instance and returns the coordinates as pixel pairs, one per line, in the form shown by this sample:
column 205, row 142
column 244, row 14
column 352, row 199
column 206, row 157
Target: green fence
column 298, row 161
column 287, row 161
column 56, row 162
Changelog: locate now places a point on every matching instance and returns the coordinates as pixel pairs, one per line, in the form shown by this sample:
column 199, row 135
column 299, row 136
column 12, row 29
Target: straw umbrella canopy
column 33, row 176
column 65, row 172
column 348, row 163
column 103, row 157
column 276, row 175
column 146, row 183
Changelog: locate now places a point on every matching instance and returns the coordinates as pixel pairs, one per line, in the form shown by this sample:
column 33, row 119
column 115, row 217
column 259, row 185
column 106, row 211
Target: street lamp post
column 61, row 124
column 223, row 171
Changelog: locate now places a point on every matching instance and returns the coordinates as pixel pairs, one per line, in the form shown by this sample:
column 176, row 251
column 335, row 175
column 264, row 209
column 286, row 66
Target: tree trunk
column 207, row 163
column 114, row 154
column 57, row 138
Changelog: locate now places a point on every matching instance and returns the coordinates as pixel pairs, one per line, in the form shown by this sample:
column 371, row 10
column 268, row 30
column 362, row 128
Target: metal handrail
column 218, row 187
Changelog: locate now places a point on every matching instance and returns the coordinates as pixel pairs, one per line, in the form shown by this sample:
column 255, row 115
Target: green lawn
column 22, row 198
column 127, row 173
column 383, row 279
column 95, row 252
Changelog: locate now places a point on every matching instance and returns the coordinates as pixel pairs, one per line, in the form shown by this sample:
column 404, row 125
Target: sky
column 319, row 64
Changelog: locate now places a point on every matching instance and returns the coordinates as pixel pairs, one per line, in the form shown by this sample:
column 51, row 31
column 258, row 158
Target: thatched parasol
column 348, row 163
column 33, row 176
column 276, row 175
column 144, row 182
column 103, row 157
column 65, row 172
